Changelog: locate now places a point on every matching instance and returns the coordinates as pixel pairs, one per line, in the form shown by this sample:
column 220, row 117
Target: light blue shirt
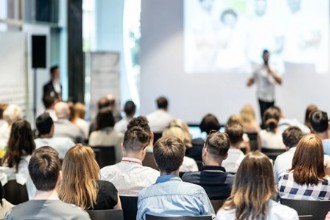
column 326, row 146
column 169, row 196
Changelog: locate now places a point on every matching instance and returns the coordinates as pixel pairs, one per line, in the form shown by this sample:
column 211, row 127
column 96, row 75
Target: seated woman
column 105, row 135
column 253, row 192
column 81, row 184
column 249, row 122
column 306, row 179
column 271, row 137
column 18, row 154
column 188, row 164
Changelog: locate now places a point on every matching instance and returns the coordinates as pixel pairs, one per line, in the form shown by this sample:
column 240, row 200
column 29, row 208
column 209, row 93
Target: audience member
column 160, row 119
column 209, row 123
column 253, row 193
column 18, row 154
column 169, row 196
column 113, row 107
column 184, row 126
column 271, row 137
column 284, row 123
column 129, row 109
column 53, row 88
column 188, row 163
column 45, row 171
column 142, row 122
column 249, row 121
column 3, row 107
column 45, row 128
column 309, row 110
column 5, row 206
column 129, row 176
column 11, row 114
column 245, row 142
column 291, row 136
column 213, row 177
column 82, row 185
column 63, row 127
column 306, row 180
column 78, row 110
column 49, row 104
column 320, row 124
column 105, row 135
column 235, row 155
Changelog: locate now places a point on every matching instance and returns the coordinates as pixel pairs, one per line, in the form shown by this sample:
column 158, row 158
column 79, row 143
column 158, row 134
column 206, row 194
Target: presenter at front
column 266, row 77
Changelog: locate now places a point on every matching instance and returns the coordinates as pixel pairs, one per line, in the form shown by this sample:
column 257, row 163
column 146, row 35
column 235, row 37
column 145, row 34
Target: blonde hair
column 178, row 128
column 247, row 114
column 12, row 114
column 253, row 187
column 80, row 175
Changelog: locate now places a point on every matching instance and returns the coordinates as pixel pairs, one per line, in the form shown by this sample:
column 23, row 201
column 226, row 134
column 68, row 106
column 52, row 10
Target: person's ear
column 204, row 151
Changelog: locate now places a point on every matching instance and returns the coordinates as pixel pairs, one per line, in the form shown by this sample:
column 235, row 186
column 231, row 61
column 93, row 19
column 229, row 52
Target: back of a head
column 73, row 113
column 162, row 102
column 48, row 101
column 291, row 136
column 319, row 121
column 112, row 100
column 235, row 132
column 175, row 131
column 247, row 114
column 308, row 160
column 53, row 68
column 20, row 143
column 254, row 172
column 129, row 108
column 217, row 144
column 141, row 122
column 3, row 107
column 234, row 119
column 104, row 119
column 185, row 129
column 80, row 110
column 80, row 172
column 209, row 123
column 136, row 139
column 62, row 110
column 169, row 153
column 103, row 103
column 12, row 113
column 271, row 118
column 309, row 110
column 44, row 168
column 44, row 124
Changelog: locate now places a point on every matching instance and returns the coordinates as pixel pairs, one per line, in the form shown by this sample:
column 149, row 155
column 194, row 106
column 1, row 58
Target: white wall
column 192, row 96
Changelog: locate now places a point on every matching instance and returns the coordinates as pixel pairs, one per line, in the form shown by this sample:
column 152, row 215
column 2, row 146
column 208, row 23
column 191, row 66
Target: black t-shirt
column 106, row 196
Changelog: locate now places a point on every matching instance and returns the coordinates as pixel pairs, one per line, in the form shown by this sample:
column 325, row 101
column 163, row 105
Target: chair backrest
column 105, row 155
column 203, row 217
column 129, row 206
column 149, row 161
column 315, row 209
column 217, row 204
column 272, row 153
column 253, row 140
column 15, row 193
column 113, row 214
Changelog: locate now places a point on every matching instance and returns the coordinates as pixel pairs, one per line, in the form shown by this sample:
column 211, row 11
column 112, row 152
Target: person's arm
column 250, row 82
column 118, row 206
column 275, row 76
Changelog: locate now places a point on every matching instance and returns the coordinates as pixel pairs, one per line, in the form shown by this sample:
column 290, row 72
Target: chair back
column 149, row 161
column 113, row 214
column 217, row 204
column 15, row 193
column 129, row 206
column 202, row 217
column 253, row 140
column 309, row 208
column 272, row 153
column 105, row 155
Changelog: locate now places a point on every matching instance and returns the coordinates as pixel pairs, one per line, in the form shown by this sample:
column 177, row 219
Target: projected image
column 228, row 36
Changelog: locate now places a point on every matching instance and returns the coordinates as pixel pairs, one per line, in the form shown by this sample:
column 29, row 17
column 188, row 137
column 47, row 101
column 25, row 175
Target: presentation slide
column 228, row 36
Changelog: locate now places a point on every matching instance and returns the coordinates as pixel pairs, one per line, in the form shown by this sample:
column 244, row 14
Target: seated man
column 169, row 196
column 291, row 136
column 45, row 127
column 160, row 119
column 213, row 177
column 320, row 124
column 235, row 155
column 45, row 172
column 129, row 176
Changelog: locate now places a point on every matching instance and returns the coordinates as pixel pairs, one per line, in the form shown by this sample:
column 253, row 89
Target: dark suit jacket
column 49, row 90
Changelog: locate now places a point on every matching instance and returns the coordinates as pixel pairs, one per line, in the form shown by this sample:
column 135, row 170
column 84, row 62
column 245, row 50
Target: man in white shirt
column 160, row 119
column 129, row 109
column 45, row 127
column 266, row 77
column 235, row 155
column 129, row 176
column 291, row 136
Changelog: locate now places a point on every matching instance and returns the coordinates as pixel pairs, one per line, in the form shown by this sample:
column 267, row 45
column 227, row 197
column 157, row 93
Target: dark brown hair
column 141, row 122
column 309, row 110
column 271, row 118
column 235, row 132
column 291, row 136
column 104, row 119
column 308, row 160
column 169, row 153
column 217, row 144
column 209, row 123
column 136, row 139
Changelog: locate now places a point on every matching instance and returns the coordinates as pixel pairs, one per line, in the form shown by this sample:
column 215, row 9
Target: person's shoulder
column 226, row 214
column 150, row 170
column 105, row 185
column 69, row 209
column 191, row 177
column 277, row 209
column 109, row 170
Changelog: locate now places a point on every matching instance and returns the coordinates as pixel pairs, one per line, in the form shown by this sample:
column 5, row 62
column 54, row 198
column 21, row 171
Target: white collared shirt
column 234, row 159
column 265, row 83
column 159, row 120
column 129, row 176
